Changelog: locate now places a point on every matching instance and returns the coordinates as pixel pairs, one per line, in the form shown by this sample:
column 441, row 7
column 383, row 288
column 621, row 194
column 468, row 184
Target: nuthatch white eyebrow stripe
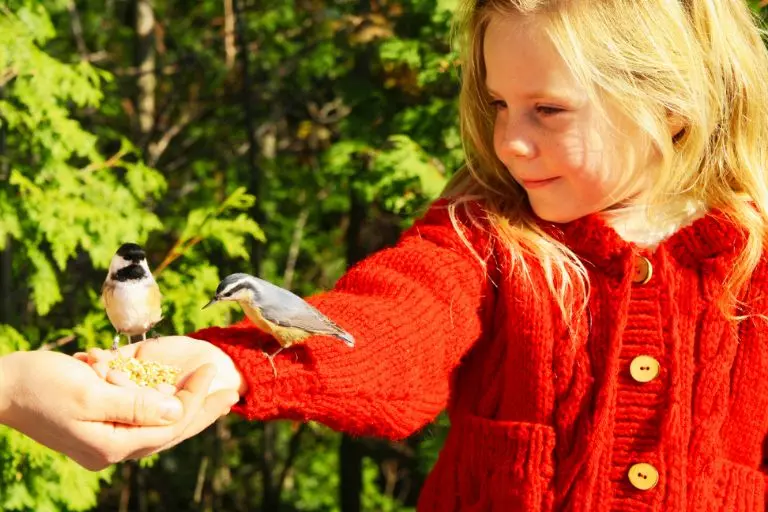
column 288, row 317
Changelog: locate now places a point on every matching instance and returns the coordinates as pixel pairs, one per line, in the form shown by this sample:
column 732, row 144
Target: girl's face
column 556, row 144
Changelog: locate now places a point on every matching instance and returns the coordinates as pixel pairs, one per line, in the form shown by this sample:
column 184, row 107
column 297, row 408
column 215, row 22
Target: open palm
column 183, row 352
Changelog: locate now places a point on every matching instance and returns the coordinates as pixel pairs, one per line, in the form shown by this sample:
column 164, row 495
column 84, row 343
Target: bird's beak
column 211, row 302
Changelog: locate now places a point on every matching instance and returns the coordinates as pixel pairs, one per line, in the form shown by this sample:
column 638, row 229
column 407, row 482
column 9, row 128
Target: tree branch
column 112, row 161
column 145, row 58
column 8, row 75
column 230, row 48
column 293, row 250
column 156, row 149
column 77, row 30
column 179, row 248
column 58, row 343
column 198, row 495
column 293, row 450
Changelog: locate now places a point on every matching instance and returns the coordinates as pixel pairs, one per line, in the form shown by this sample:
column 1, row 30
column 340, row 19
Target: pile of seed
column 146, row 373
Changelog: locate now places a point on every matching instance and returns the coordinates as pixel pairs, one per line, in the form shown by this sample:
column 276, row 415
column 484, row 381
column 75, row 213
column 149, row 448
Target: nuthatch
column 277, row 311
column 130, row 294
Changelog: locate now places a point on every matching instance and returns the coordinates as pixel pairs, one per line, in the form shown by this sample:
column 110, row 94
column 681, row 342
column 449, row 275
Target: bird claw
column 115, row 342
column 272, row 363
column 271, row 358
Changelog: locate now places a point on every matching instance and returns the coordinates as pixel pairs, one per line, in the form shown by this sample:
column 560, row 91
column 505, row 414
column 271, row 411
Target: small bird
column 288, row 317
column 130, row 294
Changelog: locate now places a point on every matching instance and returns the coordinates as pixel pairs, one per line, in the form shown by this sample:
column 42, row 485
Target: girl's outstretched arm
column 414, row 310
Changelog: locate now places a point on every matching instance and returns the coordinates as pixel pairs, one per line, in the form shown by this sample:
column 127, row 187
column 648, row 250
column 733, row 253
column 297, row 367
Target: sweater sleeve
column 414, row 310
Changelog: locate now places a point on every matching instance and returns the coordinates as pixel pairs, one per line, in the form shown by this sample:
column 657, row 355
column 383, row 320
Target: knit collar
column 648, row 225
column 592, row 239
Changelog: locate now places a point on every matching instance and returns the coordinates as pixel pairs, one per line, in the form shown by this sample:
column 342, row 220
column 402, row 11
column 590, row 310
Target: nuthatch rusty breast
column 130, row 294
column 288, row 317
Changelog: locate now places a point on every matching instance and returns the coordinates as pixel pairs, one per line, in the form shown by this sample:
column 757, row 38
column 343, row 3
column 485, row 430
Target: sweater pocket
column 738, row 488
column 489, row 465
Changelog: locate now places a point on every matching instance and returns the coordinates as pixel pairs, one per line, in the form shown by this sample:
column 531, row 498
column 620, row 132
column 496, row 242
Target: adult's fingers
column 127, row 440
column 216, row 405
column 135, row 405
column 194, row 387
column 99, row 354
column 121, row 378
column 99, row 359
column 143, row 406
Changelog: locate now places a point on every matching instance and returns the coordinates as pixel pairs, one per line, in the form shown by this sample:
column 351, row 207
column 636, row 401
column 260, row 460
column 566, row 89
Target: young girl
column 588, row 300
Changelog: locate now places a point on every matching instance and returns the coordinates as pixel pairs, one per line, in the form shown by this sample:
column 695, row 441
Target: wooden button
column 643, row 476
column 644, row 368
column 643, row 270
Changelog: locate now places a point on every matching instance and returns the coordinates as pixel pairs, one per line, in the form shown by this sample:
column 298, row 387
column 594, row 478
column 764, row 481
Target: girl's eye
column 547, row 110
column 498, row 105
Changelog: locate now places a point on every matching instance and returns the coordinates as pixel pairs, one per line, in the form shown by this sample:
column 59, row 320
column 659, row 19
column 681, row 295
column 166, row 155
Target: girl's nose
column 513, row 140
column 516, row 147
column 519, row 147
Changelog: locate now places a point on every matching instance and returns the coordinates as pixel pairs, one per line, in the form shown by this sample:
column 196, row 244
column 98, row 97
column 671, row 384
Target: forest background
column 285, row 138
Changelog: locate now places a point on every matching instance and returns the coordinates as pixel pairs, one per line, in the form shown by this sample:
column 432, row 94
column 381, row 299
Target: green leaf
column 45, row 285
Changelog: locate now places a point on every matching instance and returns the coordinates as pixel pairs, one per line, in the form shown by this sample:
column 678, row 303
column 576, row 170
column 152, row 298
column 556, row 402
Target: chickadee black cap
column 131, row 252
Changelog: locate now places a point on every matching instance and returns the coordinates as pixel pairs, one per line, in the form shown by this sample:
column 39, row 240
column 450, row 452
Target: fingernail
column 171, row 410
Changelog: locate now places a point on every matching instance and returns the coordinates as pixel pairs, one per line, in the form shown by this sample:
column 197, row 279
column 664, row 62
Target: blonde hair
column 701, row 61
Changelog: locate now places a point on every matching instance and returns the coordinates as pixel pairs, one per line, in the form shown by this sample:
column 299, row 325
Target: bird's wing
column 104, row 295
column 296, row 312
column 154, row 303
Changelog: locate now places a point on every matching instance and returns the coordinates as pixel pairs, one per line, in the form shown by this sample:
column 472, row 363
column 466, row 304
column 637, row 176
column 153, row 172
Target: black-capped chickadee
column 130, row 294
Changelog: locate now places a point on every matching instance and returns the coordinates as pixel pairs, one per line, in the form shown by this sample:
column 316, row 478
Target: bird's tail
column 337, row 331
column 345, row 337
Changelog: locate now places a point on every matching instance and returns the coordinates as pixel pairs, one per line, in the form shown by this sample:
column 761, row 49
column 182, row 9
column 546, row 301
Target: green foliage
column 309, row 489
column 47, row 200
column 12, row 340
column 408, row 173
column 353, row 108
column 351, row 103
column 35, row 478
column 65, row 209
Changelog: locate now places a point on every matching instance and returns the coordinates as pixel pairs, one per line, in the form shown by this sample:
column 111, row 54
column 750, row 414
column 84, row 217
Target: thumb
column 139, row 406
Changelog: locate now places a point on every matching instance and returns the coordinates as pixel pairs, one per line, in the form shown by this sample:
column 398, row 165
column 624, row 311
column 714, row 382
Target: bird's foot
column 115, row 342
column 271, row 358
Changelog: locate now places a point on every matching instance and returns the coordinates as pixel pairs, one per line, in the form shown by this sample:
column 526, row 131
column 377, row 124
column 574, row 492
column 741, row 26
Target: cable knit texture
column 543, row 417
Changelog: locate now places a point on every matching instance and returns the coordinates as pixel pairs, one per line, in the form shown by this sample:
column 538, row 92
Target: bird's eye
column 227, row 294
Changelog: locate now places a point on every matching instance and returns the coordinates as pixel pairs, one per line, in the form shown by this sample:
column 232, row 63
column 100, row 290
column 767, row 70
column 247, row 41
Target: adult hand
column 180, row 351
column 62, row 403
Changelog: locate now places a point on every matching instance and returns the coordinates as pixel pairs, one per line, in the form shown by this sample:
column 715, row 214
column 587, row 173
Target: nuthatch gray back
column 130, row 294
column 288, row 317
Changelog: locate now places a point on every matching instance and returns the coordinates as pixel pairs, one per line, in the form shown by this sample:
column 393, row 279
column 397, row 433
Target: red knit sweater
column 541, row 419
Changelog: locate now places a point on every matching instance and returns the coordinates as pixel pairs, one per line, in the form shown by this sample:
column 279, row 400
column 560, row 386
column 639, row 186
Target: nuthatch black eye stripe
column 237, row 288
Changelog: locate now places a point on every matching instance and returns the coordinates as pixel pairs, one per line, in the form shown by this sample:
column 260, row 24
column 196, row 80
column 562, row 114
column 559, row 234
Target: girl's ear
column 676, row 125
